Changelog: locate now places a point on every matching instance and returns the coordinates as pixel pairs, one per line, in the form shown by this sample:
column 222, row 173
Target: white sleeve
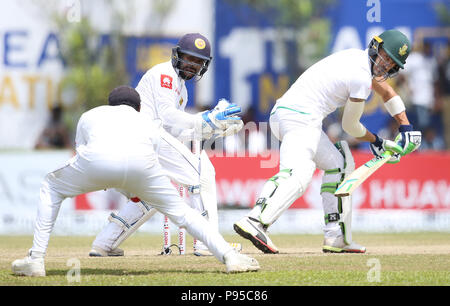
column 359, row 88
column 165, row 101
column 187, row 135
column 171, row 116
column 144, row 88
column 80, row 138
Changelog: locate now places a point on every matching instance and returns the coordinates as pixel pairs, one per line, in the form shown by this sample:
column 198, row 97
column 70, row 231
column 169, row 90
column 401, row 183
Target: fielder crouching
column 116, row 148
column 343, row 79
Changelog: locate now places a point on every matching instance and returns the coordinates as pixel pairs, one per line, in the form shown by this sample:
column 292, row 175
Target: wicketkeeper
column 116, row 148
column 164, row 98
column 343, row 79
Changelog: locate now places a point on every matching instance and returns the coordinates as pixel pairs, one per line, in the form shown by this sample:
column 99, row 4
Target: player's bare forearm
column 385, row 90
column 369, row 137
column 402, row 119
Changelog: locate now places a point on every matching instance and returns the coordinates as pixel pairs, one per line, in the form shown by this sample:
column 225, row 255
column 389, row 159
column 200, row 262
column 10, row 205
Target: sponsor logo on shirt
column 166, row 81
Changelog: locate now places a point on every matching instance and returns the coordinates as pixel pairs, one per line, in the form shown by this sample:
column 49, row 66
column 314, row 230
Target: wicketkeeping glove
column 222, row 116
column 379, row 146
column 408, row 139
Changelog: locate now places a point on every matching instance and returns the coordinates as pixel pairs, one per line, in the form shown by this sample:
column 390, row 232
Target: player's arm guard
column 350, row 119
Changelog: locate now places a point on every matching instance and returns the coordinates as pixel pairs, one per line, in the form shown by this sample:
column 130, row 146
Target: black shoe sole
column 256, row 242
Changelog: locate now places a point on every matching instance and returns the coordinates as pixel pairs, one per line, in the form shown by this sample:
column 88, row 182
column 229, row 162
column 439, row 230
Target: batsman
column 343, row 79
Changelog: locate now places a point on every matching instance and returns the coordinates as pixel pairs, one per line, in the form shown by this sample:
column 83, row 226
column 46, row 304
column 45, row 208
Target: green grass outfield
column 392, row 259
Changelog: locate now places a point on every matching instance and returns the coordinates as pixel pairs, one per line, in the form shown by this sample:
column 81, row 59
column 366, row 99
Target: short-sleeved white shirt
column 116, row 131
column 328, row 84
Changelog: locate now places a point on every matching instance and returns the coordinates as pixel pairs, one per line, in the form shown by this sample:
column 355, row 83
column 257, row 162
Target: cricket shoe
column 237, row 262
column 99, row 252
column 29, row 266
column 254, row 231
column 201, row 250
column 338, row 245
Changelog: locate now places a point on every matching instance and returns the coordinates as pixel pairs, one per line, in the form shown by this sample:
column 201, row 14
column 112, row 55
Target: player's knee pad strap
column 349, row 162
column 344, row 204
column 278, row 193
column 343, row 217
column 119, row 221
column 143, row 206
column 127, row 228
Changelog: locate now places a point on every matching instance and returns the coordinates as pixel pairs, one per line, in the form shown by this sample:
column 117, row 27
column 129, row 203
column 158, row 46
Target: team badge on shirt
column 166, row 81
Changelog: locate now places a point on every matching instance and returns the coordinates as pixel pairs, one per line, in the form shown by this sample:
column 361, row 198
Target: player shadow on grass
column 123, row 272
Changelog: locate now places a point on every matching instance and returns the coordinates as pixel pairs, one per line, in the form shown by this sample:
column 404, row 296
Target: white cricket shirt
column 329, row 83
column 164, row 96
column 116, row 131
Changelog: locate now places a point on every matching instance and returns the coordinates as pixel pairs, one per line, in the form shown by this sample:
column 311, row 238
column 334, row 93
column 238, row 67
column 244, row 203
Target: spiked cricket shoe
column 237, row 262
column 254, row 231
column 99, row 252
column 29, row 266
column 338, row 245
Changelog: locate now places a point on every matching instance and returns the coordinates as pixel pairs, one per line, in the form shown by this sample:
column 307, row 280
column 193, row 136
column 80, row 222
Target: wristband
column 395, row 105
column 405, row 128
column 378, row 141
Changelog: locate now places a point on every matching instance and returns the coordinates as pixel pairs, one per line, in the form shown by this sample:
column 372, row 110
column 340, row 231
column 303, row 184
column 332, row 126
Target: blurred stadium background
column 60, row 58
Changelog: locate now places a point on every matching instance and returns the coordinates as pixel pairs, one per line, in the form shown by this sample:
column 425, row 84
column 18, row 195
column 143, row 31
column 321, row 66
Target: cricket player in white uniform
column 164, row 97
column 116, row 148
column 343, row 79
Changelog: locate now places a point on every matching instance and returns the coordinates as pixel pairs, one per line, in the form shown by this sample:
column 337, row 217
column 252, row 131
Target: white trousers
column 182, row 167
column 138, row 175
column 305, row 147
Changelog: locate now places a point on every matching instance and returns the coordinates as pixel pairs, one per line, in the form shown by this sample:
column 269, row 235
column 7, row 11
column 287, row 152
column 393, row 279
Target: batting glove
column 408, row 139
column 379, row 146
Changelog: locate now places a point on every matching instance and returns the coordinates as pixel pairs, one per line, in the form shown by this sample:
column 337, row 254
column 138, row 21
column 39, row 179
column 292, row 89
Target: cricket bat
column 358, row 176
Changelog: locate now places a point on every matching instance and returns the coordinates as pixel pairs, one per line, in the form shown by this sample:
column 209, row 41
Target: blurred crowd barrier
column 413, row 195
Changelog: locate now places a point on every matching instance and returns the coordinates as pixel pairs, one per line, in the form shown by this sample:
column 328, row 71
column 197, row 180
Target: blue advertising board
column 249, row 52
column 249, row 58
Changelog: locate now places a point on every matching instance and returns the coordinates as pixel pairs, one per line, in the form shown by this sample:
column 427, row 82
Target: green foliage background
column 92, row 72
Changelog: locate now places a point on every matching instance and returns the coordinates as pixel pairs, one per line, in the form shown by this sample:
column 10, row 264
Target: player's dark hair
column 125, row 95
